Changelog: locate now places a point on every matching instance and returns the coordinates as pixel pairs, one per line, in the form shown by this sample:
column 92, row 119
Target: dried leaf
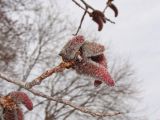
column 99, row 18
column 113, row 7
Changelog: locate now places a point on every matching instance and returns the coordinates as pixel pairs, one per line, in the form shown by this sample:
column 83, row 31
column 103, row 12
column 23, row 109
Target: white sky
column 136, row 35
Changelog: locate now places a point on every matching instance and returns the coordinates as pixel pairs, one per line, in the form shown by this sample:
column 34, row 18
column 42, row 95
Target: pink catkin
column 93, row 62
column 95, row 70
column 103, row 61
column 21, row 97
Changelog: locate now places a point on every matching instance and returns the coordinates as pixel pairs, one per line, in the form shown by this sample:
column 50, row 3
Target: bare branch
column 87, row 5
column 78, row 5
column 81, row 21
column 59, row 100
column 105, row 8
column 48, row 73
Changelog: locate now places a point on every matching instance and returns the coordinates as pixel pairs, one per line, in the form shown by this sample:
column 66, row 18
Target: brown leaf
column 114, row 8
column 99, row 18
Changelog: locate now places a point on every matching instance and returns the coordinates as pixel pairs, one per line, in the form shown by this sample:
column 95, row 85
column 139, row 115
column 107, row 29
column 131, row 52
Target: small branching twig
column 79, row 5
column 81, row 22
column 87, row 5
column 105, row 8
column 98, row 21
column 110, row 21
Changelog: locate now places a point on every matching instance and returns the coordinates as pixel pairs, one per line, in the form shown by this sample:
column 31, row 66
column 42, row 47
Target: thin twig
column 87, row 5
column 59, row 100
column 81, row 21
column 62, row 66
column 38, row 80
column 80, row 6
column 110, row 21
column 105, row 9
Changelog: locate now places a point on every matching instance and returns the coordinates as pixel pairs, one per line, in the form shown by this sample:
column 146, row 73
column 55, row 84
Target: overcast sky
column 135, row 35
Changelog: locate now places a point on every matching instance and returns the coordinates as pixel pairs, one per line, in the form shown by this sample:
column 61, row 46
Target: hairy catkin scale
column 94, row 51
column 99, row 18
column 90, row 49
column 21, row 97
column 69, row 51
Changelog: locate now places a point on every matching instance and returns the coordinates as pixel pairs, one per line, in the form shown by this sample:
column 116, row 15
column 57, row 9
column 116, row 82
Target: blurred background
column 33, row 32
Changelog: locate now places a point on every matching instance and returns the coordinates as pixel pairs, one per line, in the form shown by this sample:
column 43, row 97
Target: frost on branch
column 9, row 105
column 89, row 59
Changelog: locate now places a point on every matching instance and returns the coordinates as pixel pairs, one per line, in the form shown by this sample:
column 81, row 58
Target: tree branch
column 81, row 21
column 87, row 5
column 59, row 100
column 39, row 79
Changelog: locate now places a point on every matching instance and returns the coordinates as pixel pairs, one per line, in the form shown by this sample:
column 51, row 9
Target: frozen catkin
column 92, row 59
column 10, row 105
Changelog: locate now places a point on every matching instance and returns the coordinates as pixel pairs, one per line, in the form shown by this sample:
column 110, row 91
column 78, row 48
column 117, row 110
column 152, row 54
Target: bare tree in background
column 31, row 36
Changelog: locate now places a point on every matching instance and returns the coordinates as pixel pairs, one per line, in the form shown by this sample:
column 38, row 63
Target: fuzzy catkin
column 93, row 61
